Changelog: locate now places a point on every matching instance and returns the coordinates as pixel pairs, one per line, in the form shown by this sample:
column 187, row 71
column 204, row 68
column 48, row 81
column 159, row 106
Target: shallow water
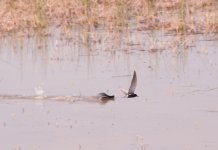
column 177, row 88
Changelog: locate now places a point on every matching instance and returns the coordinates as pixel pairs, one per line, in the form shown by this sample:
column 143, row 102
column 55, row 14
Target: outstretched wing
column 133, row 84
column 124, row 91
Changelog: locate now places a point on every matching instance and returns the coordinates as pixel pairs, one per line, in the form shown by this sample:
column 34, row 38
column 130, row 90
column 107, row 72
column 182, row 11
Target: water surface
column 177, row 88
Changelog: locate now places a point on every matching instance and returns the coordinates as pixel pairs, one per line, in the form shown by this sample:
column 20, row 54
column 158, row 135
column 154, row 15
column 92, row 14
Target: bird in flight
column 104, row 97
column 132, row 87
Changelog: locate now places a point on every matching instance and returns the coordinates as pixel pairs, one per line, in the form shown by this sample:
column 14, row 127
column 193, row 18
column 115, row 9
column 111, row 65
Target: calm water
column 177, row 87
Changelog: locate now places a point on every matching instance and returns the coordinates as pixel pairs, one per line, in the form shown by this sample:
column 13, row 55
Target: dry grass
column 180, row 16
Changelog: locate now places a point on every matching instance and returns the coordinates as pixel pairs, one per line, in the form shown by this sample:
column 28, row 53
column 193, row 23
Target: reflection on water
column 88, row 62
column 177, row 88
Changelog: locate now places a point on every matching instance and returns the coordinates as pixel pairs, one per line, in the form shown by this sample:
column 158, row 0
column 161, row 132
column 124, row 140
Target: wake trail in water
column 89, row 99
column 37, row 97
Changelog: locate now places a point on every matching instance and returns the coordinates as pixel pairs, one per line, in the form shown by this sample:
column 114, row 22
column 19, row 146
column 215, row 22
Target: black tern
column 105, row 97
column 131, row 91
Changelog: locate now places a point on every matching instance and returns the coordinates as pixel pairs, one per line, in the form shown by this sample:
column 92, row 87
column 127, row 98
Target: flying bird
column 132, row 87
column 104, row 97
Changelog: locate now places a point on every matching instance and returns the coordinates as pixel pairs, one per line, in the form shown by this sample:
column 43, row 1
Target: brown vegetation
column 173, row 15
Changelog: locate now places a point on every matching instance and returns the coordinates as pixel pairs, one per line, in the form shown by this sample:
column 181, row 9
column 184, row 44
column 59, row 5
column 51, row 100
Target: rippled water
column 177, row 88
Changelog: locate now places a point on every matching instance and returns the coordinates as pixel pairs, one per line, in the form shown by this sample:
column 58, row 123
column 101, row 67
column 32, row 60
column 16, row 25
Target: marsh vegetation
column 190, row 16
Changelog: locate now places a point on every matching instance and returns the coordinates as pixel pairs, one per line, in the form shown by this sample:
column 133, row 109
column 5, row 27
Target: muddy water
column 177, row 87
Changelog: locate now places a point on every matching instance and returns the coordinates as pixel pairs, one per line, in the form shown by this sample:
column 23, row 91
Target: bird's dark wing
column 133, row 84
